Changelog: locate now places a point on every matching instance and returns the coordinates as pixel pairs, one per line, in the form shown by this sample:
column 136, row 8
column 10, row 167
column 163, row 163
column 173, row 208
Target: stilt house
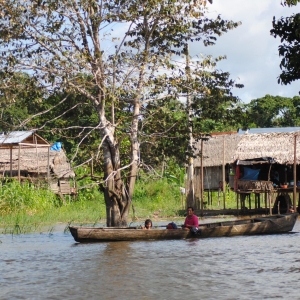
column 268, row 163
column 24, row 155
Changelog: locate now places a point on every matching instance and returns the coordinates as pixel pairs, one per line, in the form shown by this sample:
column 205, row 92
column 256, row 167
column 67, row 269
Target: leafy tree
column 18, row 92
column 215, row 108
column 288, row 30
column 24, row 99
column 163, row 132
column 290, row 2
column 274, row 111
column 58, row 41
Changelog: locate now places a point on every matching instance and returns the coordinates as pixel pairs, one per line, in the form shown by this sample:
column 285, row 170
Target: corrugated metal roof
column 269, row 130
column 14, row 137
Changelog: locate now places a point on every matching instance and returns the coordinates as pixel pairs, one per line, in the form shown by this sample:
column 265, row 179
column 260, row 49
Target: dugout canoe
column 264, row 225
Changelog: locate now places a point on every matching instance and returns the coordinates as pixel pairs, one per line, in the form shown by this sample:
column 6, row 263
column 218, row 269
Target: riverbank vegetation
column 24, row 208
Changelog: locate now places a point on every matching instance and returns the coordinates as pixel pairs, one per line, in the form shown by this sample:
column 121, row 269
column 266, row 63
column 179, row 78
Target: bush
column 16, row 198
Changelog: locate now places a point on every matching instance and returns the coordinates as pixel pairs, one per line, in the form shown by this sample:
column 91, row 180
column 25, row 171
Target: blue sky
column 252, row 53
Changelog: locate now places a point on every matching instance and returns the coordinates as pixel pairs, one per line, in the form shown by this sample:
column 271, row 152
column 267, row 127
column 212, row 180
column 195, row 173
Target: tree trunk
column 117, row 193
column 116, row 197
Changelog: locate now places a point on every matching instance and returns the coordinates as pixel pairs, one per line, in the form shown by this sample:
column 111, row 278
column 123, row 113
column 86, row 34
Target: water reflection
column 41, row 266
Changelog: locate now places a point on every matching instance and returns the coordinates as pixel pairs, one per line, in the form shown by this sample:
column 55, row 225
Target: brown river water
column 53, row 266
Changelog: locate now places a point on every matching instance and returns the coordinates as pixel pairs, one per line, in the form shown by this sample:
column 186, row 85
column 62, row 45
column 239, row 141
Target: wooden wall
column 212, row 176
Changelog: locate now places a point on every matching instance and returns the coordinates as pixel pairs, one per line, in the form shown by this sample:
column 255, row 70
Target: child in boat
column 148, row 224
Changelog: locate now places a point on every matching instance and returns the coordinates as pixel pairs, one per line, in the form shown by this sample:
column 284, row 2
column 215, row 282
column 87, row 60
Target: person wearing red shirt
column 191, row 220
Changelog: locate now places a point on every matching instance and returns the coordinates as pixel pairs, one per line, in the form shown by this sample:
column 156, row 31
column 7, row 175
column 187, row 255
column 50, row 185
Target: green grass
column 218, row 202
column 230, row 201
column 24, row 208
column 157, row 198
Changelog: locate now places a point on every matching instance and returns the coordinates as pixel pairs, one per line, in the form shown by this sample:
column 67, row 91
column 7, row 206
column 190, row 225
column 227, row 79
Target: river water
column 53, row 266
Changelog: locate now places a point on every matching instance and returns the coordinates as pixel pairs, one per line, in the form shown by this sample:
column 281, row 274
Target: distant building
column 256, row 160
column 265, row 163
column 24, row 155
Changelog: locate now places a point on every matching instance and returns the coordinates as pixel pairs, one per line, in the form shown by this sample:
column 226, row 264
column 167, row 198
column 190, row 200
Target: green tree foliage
column 63, row 117
column 70, row 119
column 18, row 93
column 274, row 111
column 290, row 2
column 163, row 131
column 215, row 108
column 288, row 30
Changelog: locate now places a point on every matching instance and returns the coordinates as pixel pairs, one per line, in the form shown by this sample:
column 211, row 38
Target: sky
column 252, row 53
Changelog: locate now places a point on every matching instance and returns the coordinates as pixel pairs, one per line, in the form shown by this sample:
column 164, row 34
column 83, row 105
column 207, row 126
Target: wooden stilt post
column 19, row 172
column 10, row 149
column 295, row 174
column 48, row 166
column 249, row 198
column 266, row 202
column 223, row 175
column 202, row 180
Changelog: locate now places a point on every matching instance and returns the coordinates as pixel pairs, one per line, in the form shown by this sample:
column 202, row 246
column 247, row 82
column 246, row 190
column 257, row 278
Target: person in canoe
column 191, row 220
column 148, row 224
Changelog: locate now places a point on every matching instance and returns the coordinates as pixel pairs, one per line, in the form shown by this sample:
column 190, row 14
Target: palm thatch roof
column 34, row 162
column 28, row 153
column 217, row 150
column 279, row 146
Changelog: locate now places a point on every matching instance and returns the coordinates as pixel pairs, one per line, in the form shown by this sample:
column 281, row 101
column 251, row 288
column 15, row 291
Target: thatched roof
column 217, row 149
column 34, row 161
column 279, row 146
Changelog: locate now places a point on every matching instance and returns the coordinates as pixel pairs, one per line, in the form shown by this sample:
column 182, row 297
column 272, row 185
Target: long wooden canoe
column 263, row 225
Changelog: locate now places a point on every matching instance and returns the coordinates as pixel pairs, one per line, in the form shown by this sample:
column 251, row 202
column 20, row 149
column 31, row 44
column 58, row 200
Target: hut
column 24, row 155
column 268, row 164
column 212, row 169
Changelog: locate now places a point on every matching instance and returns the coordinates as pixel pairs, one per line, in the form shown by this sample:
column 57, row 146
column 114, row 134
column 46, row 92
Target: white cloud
column 251, row 51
